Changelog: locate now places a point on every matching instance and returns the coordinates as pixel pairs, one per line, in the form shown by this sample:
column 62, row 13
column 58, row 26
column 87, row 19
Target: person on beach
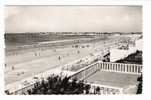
column 59, row 57
column 13, row 67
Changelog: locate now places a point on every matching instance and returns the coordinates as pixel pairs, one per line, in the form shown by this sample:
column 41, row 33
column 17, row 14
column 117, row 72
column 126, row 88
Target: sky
column 73, row 19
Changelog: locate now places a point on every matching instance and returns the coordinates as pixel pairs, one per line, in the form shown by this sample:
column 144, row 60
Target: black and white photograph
column 73, row 50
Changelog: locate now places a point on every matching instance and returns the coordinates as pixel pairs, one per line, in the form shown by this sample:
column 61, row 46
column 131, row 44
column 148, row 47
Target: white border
column 146, row 33
column 1, row 47
column 74, row 2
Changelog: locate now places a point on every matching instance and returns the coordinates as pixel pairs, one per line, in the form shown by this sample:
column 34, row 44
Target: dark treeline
column 135, row 58
column 140, row 80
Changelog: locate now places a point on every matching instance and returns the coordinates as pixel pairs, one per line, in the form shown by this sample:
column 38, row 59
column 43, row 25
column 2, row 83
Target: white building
column 117, row 54
column 139, row 44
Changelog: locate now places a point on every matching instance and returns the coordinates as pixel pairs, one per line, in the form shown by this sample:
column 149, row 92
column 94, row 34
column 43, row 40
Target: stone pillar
column 134, row 69
column 125, row 68
column 131, row 68
column 128, row 68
